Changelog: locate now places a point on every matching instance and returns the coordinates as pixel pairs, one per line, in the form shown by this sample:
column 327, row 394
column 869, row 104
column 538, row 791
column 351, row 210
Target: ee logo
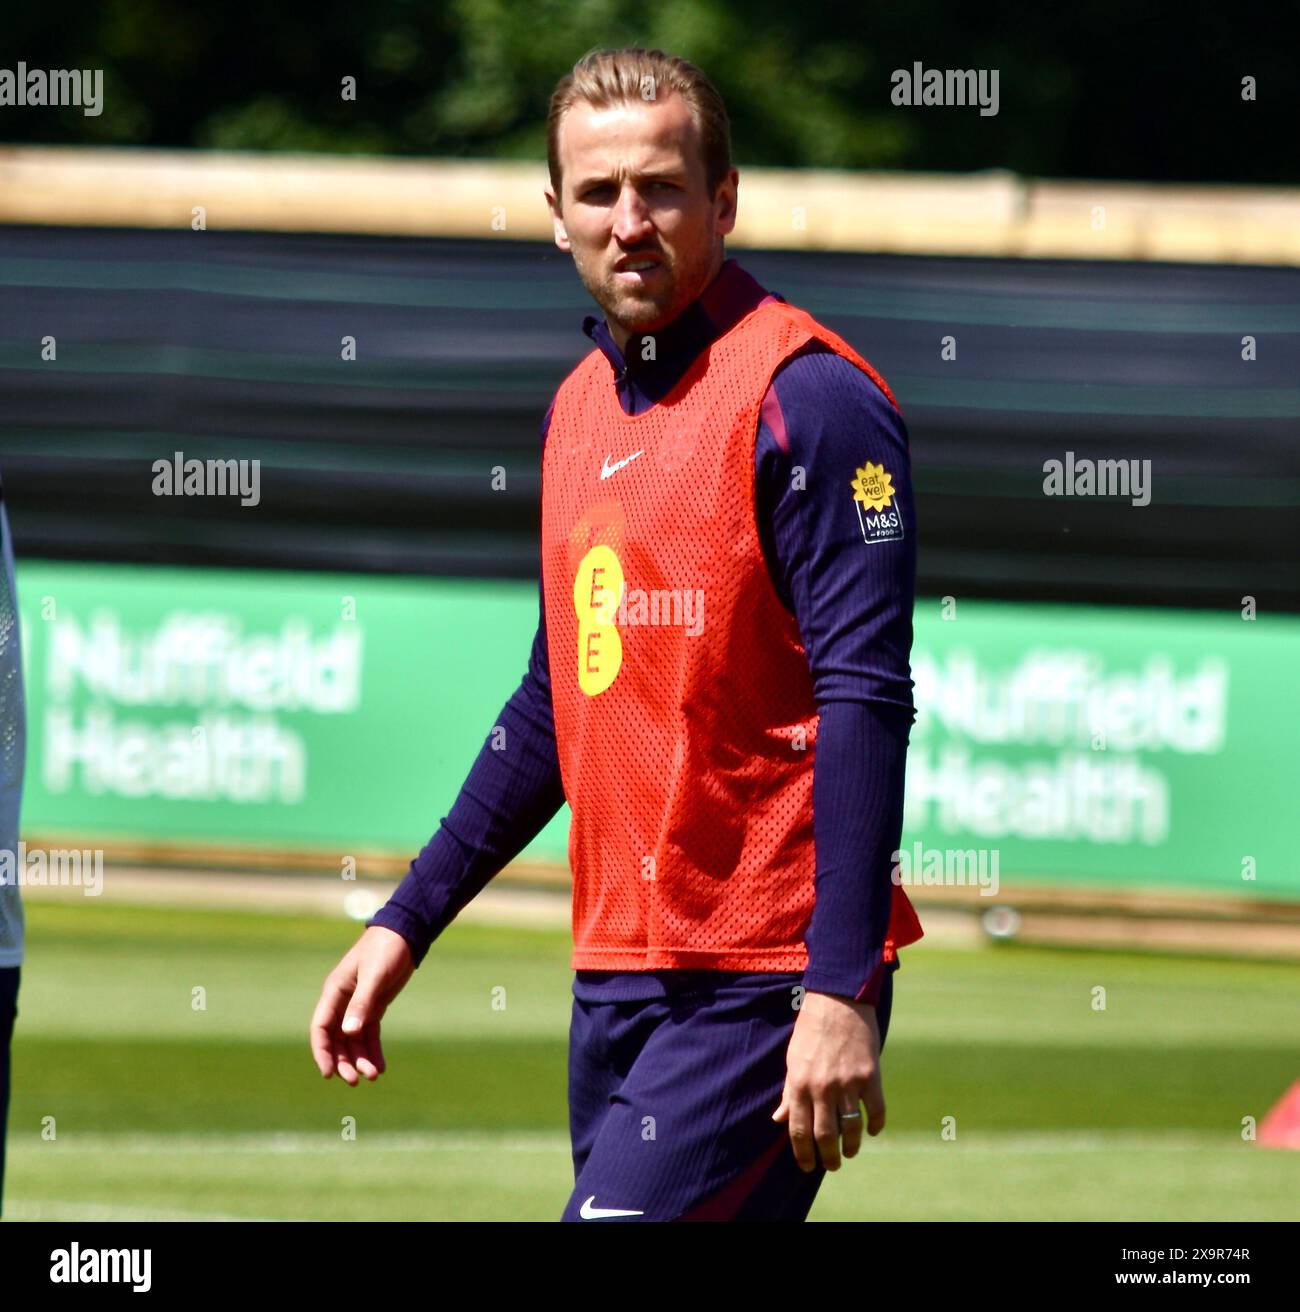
column 597, row 592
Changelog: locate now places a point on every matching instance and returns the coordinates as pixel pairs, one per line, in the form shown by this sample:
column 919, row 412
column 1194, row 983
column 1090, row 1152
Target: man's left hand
column 832, row 1064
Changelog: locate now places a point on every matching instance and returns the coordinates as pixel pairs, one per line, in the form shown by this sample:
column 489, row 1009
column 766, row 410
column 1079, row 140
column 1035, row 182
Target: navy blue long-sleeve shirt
column 821, row 420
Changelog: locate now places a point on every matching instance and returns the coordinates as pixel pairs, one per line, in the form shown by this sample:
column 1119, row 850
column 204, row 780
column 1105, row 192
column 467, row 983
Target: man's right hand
column 345, row 1024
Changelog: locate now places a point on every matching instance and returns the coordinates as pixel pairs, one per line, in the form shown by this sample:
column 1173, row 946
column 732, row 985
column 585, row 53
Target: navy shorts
column 9, row 977
column 671, row 1102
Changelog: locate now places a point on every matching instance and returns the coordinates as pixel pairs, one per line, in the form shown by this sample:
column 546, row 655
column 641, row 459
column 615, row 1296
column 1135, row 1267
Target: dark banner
column 85, row 1263
column 393, row 389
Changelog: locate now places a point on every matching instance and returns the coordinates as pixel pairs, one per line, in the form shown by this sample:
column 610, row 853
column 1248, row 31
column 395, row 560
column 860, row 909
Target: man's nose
column 631, row 215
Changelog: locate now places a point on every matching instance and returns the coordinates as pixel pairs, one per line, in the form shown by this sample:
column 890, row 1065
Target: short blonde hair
column 613, row 77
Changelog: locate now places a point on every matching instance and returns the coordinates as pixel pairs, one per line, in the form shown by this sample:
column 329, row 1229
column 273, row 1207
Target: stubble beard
column 637, row 311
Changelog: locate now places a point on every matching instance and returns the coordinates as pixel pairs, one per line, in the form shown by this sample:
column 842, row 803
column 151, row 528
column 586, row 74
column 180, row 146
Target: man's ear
column 561, row 236
column 726, row 194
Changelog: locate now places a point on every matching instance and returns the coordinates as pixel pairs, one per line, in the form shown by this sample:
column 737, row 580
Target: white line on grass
column 287, row 1143
column 60, row 1209
column 292, row 1144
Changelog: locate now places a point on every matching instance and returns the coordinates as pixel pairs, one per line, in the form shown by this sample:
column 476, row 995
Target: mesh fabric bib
column 684, row 710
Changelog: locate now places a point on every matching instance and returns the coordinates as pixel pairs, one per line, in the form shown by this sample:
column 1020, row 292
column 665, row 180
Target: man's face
column 634, row 193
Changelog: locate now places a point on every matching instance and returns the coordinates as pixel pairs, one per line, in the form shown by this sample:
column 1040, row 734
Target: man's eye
column 604, row 191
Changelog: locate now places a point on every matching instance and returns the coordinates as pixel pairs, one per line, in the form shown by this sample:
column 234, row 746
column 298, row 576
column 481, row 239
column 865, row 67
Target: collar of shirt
column 642, row 383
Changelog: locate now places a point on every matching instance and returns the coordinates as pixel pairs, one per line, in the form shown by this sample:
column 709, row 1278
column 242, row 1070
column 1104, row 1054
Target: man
column 12, row 748
column 727, row 567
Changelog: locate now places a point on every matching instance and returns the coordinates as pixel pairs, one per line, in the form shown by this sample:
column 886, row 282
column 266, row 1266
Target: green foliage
column 1091, row 90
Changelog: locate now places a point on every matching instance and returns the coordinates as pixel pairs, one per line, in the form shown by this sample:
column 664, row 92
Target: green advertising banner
column 327, row 712
column 340, row 714
column 1109, row 746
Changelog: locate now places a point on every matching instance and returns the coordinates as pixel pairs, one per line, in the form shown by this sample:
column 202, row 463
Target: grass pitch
column 1062, row 1111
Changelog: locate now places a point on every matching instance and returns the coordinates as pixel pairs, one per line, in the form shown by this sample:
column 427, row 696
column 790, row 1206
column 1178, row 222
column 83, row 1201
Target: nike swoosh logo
column 589, row 1213
column 606, row 469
